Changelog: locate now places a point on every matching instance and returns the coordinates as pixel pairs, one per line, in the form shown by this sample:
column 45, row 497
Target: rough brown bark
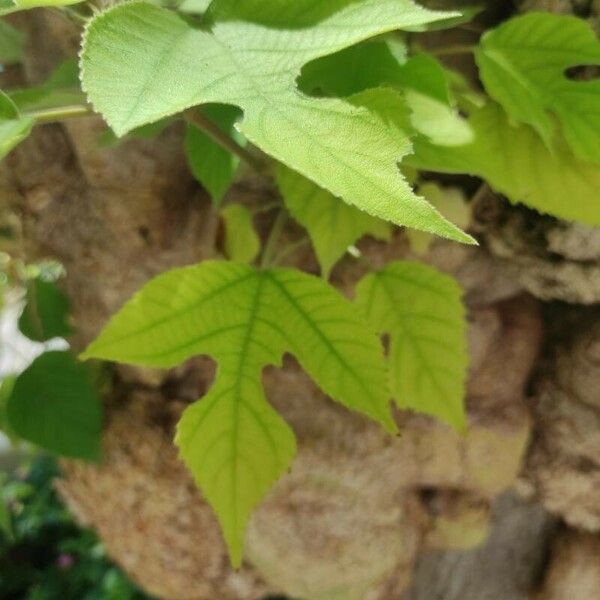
column 361, row 515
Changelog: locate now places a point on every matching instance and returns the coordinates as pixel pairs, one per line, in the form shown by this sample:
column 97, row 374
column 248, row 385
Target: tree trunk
column 509, row 511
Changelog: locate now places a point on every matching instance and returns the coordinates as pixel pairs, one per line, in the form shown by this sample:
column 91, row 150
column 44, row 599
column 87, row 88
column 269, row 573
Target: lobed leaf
column 140, row 63
column 523, row 65
column 515, row 161
column 234, row 443
column 422, row 311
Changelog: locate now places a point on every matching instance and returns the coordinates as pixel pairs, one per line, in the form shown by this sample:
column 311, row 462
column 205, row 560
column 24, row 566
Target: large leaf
column 523, row 65
column 140, row 63
column 54, row 405
column 332, row 225
column 213, row 166
column 515, row 161
column 232, row 440
column 11, row 44
column 422, row 311
column 45, row 314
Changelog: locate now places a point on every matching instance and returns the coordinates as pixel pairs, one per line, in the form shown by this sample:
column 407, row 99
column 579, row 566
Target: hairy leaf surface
column 523, row 65
column 140, row 63
column 235, row 444
column 515, row 161
column 422, row 311
column 331, row 224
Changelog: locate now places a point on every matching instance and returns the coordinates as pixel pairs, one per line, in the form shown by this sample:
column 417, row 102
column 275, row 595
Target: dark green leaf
column 54, row 405
column 45, row 314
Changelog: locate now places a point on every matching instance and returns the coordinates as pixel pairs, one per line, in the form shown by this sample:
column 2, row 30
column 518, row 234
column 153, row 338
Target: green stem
column 60, row 113
column 274, row 235
column 195, row 117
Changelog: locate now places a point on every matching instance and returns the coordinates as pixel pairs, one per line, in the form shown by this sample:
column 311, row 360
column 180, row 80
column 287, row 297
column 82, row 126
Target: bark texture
column 510, row 511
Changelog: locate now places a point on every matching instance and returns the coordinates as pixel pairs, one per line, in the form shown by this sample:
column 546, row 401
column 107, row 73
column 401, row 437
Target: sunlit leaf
column 140, row 63
column 332, row 225
column 523, row 65
column 232, row 440
column 422, row 311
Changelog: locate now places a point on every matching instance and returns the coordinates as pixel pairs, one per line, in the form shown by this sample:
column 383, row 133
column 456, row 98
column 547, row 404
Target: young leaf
column 250, row 58
column 54, row 405
column 11, row 44
column 373, row 64
column 234, row 443
column 13, row 128
column 515, row 161
column 450, row 202
column 242, row 243
column 45, row 314
column 421, row 310
column 331, row 224
column 212, row 165
column 523, row 66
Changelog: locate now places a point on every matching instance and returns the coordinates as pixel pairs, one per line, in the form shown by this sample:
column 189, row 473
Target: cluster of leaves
column 54, row 403
column 333, row 93
column 44, row 555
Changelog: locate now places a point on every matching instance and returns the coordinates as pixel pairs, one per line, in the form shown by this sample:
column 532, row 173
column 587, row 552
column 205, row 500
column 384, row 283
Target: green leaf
column 54, row 405
column 250, row 58
column 422, row 311
column 8, row 109
column 6, row 388
column 59, row 90
column 373, row 64
column 45, row 314
column 12, row 42
column 332, row 225
column 523, row 66
column 242, row 243
column 451, row 202
column 10, row 6
column 234, row 443
column 213, row 166
column 515, row 161
column 13, row 128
